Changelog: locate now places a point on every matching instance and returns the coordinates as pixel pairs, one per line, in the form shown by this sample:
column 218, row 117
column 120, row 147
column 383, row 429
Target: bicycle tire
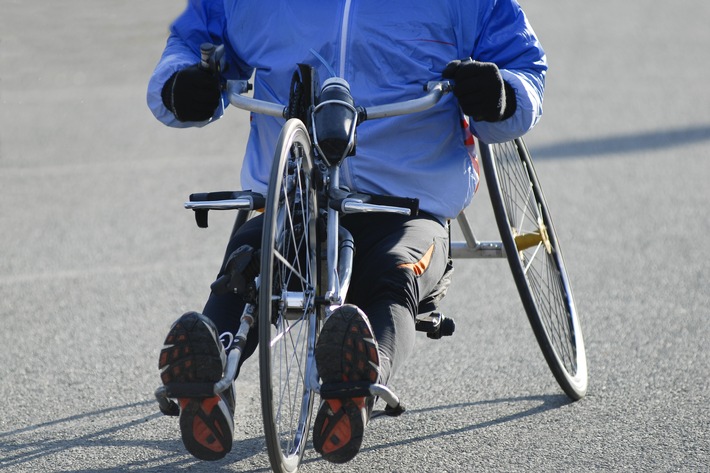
column 533, row 252
column 287, row 337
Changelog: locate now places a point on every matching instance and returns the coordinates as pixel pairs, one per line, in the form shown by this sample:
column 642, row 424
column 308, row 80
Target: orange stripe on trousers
column 420, row 266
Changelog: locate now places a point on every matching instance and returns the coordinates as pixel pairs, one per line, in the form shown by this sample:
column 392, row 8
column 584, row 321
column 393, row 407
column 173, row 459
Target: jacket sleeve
column 507, row 39
column 202, row 21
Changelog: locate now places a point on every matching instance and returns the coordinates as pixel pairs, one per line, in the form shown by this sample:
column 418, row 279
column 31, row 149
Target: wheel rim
column 287, row 301
column 541, row 262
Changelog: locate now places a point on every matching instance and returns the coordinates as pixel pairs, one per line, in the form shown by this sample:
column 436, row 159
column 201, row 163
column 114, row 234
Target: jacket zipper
column 345, row 175
column 344, row 30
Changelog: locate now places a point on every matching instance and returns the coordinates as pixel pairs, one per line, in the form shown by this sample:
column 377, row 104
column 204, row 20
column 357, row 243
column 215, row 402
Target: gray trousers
column 401, row 268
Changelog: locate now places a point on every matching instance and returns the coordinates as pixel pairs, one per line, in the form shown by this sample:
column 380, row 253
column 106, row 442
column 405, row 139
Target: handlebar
column 212, row 58
column 235, row 89
column 337, row 142
column 435, row 91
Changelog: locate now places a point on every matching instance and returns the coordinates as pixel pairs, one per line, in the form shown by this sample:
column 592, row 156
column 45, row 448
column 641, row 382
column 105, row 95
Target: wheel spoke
column 538, row 268
column 288, row 326
column 288, row 265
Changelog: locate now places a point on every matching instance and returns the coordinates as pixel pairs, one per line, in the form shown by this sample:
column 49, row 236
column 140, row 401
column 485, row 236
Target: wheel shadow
column 543, row 404
column 622, row 144
column 29, row 448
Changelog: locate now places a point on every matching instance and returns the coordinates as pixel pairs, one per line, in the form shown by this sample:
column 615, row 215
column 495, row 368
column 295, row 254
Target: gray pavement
column 97, row 256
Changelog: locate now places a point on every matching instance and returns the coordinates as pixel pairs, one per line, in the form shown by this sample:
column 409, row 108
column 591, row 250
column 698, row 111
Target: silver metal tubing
column 345, row 264
column 482, row 249
column 471, row 247
column 435, row 91
column 235, row 89
column 384, row 393
column 312, row 379
column 242, row 203
column 358, row 206
column 332, row 295
column 466, row 229
column 231, row 371
column 245, row 323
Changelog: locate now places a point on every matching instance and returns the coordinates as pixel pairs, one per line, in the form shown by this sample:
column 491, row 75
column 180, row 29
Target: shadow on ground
column 31, row 446
column 620, row 144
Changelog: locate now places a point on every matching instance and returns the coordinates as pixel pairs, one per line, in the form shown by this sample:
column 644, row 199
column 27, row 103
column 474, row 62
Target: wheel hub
column 523, row 241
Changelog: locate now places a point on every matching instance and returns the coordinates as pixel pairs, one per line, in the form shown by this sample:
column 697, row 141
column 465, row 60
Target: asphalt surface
column 97, row 256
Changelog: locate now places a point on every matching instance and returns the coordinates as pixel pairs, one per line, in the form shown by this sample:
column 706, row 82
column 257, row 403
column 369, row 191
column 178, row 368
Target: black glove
column 192, row 94
column 482, row 93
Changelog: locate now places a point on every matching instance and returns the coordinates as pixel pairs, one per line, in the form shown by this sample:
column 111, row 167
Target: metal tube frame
column 339, row 245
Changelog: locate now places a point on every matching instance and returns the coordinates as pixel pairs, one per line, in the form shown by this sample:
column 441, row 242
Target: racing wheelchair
column 303, row 269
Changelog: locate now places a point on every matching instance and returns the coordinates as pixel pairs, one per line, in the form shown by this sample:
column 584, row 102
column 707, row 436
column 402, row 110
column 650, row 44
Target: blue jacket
column 387, row 51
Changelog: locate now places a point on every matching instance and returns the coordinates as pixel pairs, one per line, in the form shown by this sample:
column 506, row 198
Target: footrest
column 345, row 390
column 435, row 325
column 203, row 202
column 176, row 390
column 363, row 389
column 167, row 405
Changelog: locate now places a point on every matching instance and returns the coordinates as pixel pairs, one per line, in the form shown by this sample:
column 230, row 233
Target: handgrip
column 206, row 52
column 211, row 57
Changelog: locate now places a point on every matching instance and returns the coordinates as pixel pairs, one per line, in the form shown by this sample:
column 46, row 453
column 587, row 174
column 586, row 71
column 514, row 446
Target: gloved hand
column 192, row 94
column 481, row 91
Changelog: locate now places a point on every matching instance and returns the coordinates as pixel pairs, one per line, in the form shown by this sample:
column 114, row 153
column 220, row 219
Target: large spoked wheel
column 535, row 258
column 288, row 319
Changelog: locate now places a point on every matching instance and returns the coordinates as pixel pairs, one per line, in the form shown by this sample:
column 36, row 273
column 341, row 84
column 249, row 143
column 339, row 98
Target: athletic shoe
column 194, row 354
column 346, row 352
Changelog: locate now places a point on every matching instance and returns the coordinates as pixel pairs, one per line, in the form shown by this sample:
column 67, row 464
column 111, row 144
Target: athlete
column 386, row 51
